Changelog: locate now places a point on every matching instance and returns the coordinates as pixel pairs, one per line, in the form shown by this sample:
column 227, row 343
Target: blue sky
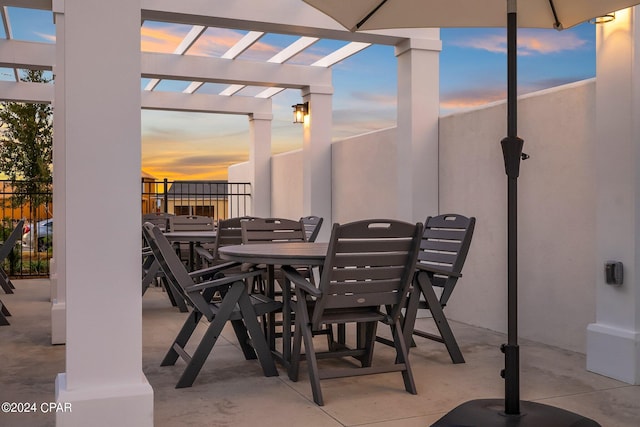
column 472, row 73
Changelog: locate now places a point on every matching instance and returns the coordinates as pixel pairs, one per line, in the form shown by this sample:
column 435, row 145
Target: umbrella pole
column 512, row 152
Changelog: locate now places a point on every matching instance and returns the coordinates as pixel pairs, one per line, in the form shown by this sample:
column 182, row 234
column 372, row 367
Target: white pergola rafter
column 281, row 57
column 8, row 33
column 242, row 45
column 188, row 41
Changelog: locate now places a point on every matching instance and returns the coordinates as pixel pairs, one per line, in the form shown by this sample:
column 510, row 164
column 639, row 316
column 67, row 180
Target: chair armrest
column 221, row 281
column 300, row 282
column 433, row 269
column 213, row 269
column 204, row 253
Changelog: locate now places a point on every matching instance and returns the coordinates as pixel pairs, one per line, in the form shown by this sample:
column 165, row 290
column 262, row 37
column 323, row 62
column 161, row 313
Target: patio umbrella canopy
column 363, row 15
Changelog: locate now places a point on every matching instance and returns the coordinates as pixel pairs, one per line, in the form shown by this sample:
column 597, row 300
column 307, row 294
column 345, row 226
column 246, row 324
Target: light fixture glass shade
column 299, row 111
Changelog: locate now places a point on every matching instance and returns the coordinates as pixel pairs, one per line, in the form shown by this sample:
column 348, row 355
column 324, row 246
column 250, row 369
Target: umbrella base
column 490, row 413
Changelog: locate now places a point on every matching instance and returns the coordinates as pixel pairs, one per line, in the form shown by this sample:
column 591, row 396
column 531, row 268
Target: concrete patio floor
column 232, row 392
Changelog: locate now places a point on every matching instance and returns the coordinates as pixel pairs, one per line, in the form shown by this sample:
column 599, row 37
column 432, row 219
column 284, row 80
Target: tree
column 26, row 147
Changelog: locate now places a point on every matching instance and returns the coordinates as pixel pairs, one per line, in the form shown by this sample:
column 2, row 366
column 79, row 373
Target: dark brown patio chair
column 369, row 264
column 5, row 250
column 190, row 223
column 236, row 306
column 228, row 232
column 159, row 219
column 443, row 251
column 312, row 225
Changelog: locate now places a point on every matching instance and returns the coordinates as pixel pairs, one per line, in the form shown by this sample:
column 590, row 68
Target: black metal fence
column 31, row 256
column 215, row 199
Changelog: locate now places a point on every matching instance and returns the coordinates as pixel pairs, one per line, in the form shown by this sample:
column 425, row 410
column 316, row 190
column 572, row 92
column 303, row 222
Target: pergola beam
column 31, row 55
column 39, row 93
column 216, row 70
column 204, row 103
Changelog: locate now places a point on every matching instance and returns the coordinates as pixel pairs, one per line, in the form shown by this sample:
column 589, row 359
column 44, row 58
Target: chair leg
column 183, row 337
column 243, row 339
column 3, row 314
column 303, row 328
column 5, row 282
column 441, row 321
column 402, row 356
column 296, row 350
column 5, row 310
column 257, row 337
column 210, row 337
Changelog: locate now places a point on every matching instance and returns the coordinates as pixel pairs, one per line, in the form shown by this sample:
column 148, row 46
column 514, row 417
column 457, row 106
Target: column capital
column 418, row 44
column 316, row 89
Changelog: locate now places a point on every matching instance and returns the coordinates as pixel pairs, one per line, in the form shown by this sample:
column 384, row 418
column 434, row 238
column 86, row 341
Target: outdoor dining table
column 193, row 238
column 308, row 254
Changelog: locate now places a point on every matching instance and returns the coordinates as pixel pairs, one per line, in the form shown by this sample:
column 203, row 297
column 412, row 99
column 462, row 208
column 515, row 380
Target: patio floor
column 232, row 392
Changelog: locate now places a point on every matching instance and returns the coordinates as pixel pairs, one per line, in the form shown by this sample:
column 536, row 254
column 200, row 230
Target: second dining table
column 296, row 254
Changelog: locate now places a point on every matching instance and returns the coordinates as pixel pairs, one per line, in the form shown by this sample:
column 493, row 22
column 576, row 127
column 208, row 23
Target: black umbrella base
column 490, row 413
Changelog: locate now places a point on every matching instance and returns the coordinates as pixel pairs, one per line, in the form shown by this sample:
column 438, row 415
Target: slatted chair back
column 444, row 248
column 264, row 230
column 160, row 219
column 174, row 270
column 369, row 264
column 5, row 250
column 190, row 223
column 229, row 232
column 312, row 225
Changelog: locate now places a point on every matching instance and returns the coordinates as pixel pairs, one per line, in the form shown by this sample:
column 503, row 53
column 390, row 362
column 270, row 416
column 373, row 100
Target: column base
column 58, row 322
column 127, row 404
column 614, row 352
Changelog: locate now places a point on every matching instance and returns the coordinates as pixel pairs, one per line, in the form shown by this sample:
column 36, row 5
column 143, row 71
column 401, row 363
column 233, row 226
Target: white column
column 57, row 275
column 418, row 113
column 316, row 156
column 103, row 383
column 613, row 341
column 260, row 163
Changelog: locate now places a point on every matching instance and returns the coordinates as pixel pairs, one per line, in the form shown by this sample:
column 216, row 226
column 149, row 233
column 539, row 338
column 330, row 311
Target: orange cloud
column 529, row 42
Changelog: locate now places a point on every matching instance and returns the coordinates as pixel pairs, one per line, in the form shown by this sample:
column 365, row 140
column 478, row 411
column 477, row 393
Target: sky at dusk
column 201, row 146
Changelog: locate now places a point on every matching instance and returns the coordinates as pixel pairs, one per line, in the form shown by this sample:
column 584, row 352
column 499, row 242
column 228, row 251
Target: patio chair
column 190, row 223
column 229, row 232
column 443, row 250
column 160, row 219
column 312, row 225
column 236, row 306
column 369, row 264
column 5, row 250
column 272, row 230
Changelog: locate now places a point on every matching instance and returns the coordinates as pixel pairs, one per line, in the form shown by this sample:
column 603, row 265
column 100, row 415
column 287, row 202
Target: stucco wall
column 286, row 175
column 556, row 213
column 364, row 176
column 556, row 207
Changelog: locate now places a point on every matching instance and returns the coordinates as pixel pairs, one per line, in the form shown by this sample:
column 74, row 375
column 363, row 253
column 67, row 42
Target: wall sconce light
column 299, row 112
column 603, row 19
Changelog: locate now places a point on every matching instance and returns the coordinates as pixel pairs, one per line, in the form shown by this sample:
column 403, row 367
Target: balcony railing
column 31, row 257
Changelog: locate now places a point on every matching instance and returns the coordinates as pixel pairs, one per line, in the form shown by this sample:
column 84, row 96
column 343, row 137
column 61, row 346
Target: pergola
column 98, row 66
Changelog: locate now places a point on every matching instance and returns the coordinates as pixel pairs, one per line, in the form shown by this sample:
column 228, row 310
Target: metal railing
column 216, row 199
column 31, row 256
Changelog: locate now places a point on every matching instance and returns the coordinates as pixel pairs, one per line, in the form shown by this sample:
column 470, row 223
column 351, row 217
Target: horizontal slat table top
column 282, row 253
